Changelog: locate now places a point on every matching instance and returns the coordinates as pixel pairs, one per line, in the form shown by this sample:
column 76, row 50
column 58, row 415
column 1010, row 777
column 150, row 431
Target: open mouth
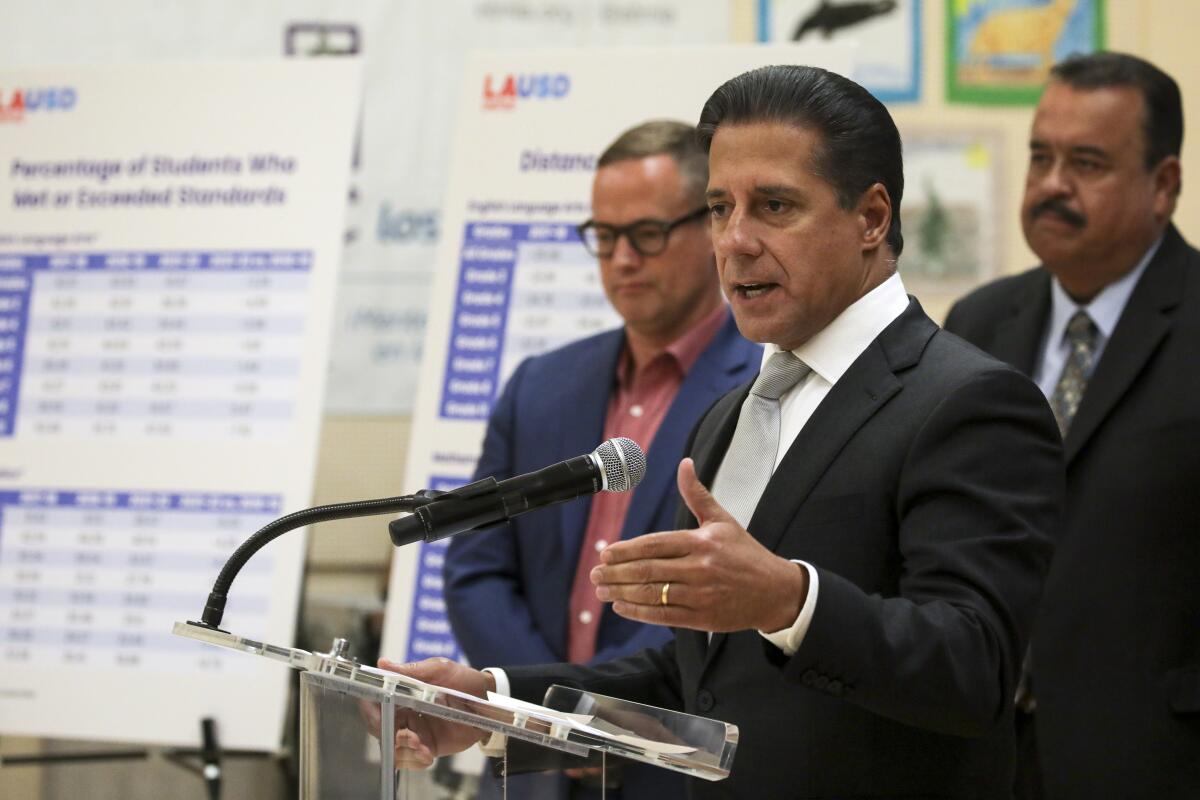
column 753, row 290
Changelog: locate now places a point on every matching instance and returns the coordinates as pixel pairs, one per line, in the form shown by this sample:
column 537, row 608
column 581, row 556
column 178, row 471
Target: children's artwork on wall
column 949, row 215
column 1001, row 51
column 887, row 34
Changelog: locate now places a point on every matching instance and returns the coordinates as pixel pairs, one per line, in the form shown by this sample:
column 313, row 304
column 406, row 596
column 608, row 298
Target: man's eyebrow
column 638, row 221
column 1076, row 150
column 1090, row 150
column 777, row 190
column 768, row 190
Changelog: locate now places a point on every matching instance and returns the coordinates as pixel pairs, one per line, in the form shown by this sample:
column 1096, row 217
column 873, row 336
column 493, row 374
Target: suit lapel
column 1142, row 326
column 712, row 379
column 708, row 380
column 865, row 388
column 1018, row 336
column 853, row 400
column 585, row 393
column 707, row 454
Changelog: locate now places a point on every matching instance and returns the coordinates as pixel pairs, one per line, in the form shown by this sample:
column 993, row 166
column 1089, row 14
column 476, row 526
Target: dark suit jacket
column 1116, row 665
column 923, row 490
column 508, row 589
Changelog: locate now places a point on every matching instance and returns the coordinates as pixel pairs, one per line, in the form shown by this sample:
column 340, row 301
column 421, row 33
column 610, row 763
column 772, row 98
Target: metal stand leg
column 210, row 758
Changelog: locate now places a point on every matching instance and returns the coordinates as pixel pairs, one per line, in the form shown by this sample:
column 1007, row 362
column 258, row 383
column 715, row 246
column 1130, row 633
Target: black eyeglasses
column 647, row 236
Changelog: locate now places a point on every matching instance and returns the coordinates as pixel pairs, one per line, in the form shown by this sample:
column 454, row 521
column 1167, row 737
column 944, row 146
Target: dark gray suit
column 1117, row 638
column 923, row 489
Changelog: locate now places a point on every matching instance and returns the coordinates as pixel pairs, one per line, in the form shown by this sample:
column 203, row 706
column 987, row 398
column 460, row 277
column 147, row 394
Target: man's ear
column 875, row 216
column 1168, row 179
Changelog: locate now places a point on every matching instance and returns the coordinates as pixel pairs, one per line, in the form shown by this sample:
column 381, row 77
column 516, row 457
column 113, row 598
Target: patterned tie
column 750, row 459
column 1081, row 335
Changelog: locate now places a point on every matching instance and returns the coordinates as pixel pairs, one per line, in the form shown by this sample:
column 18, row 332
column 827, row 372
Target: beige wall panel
column 360, row 458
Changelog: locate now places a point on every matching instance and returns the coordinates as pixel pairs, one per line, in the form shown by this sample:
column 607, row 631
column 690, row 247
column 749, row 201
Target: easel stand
column 204, row 762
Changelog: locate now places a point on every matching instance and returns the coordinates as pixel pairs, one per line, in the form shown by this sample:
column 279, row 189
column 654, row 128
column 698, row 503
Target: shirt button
column 585, row 617
column 600, row 545
column 635, row 411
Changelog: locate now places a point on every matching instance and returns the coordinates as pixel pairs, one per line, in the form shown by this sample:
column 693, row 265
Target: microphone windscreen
column 623, row 464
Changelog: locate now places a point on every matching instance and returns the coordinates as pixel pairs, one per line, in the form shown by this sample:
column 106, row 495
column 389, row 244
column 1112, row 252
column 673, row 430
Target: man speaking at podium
column 520, row 594
column 855, row 589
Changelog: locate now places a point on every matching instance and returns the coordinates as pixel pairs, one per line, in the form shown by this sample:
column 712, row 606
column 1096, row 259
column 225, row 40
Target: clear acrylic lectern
column 344, row 705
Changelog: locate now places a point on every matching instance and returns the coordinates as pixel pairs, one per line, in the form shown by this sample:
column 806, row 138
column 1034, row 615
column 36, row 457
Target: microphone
column 617, row 465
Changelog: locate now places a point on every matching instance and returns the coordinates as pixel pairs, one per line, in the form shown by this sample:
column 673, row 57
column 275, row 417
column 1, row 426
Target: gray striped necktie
column 1068, row 393
column 750, row 460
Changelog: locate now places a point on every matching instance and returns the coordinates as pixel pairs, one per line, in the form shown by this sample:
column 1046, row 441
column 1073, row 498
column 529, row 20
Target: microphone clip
column 475, row 506
column 480, row 487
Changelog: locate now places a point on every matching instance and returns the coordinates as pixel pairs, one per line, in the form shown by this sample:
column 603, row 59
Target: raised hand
column 718, row 577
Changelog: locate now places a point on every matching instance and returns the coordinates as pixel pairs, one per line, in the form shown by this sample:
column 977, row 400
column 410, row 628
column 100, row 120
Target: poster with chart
column 169, row 244
column 412, row 55
column 512, row 277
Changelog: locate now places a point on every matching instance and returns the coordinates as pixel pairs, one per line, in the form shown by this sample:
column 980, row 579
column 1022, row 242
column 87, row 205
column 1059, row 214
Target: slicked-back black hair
column 859, row 144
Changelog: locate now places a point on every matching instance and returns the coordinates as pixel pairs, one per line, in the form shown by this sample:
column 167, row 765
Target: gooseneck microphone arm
column 617, row 465
column 214, row 609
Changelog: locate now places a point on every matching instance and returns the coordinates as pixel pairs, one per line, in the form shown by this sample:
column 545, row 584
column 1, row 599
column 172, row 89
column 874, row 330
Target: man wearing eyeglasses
column 522, row 595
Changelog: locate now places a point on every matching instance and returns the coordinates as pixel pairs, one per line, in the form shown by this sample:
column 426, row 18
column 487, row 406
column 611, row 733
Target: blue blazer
column 508, row 588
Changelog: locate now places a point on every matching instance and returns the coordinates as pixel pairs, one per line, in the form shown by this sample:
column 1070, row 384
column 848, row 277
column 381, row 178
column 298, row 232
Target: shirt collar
column 1104, row 309
column 832, row 350
column 687, row 348
column 684, row 351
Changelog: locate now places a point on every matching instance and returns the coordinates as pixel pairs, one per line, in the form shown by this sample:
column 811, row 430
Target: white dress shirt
column 1104, row 309
column 829, row 354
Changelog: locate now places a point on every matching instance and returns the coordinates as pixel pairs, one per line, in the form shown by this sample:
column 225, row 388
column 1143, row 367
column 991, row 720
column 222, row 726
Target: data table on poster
column 523, row 289
column 97, row 578
column 429, row 633
column 171, row 238
column 155, row 345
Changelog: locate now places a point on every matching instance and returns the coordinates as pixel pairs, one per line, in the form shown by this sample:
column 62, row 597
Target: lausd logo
column 15, row 103
column 503, row 91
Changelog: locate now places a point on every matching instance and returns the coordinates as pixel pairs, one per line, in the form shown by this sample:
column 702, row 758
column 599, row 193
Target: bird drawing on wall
column 829, row 16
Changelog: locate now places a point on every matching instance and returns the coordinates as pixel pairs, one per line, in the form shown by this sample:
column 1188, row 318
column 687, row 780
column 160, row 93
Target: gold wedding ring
column 663, row 597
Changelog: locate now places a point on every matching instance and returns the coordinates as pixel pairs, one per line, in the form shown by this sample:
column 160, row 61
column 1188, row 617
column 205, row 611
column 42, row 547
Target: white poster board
column 412, row 55
column 512, row 277
column 169, row 243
